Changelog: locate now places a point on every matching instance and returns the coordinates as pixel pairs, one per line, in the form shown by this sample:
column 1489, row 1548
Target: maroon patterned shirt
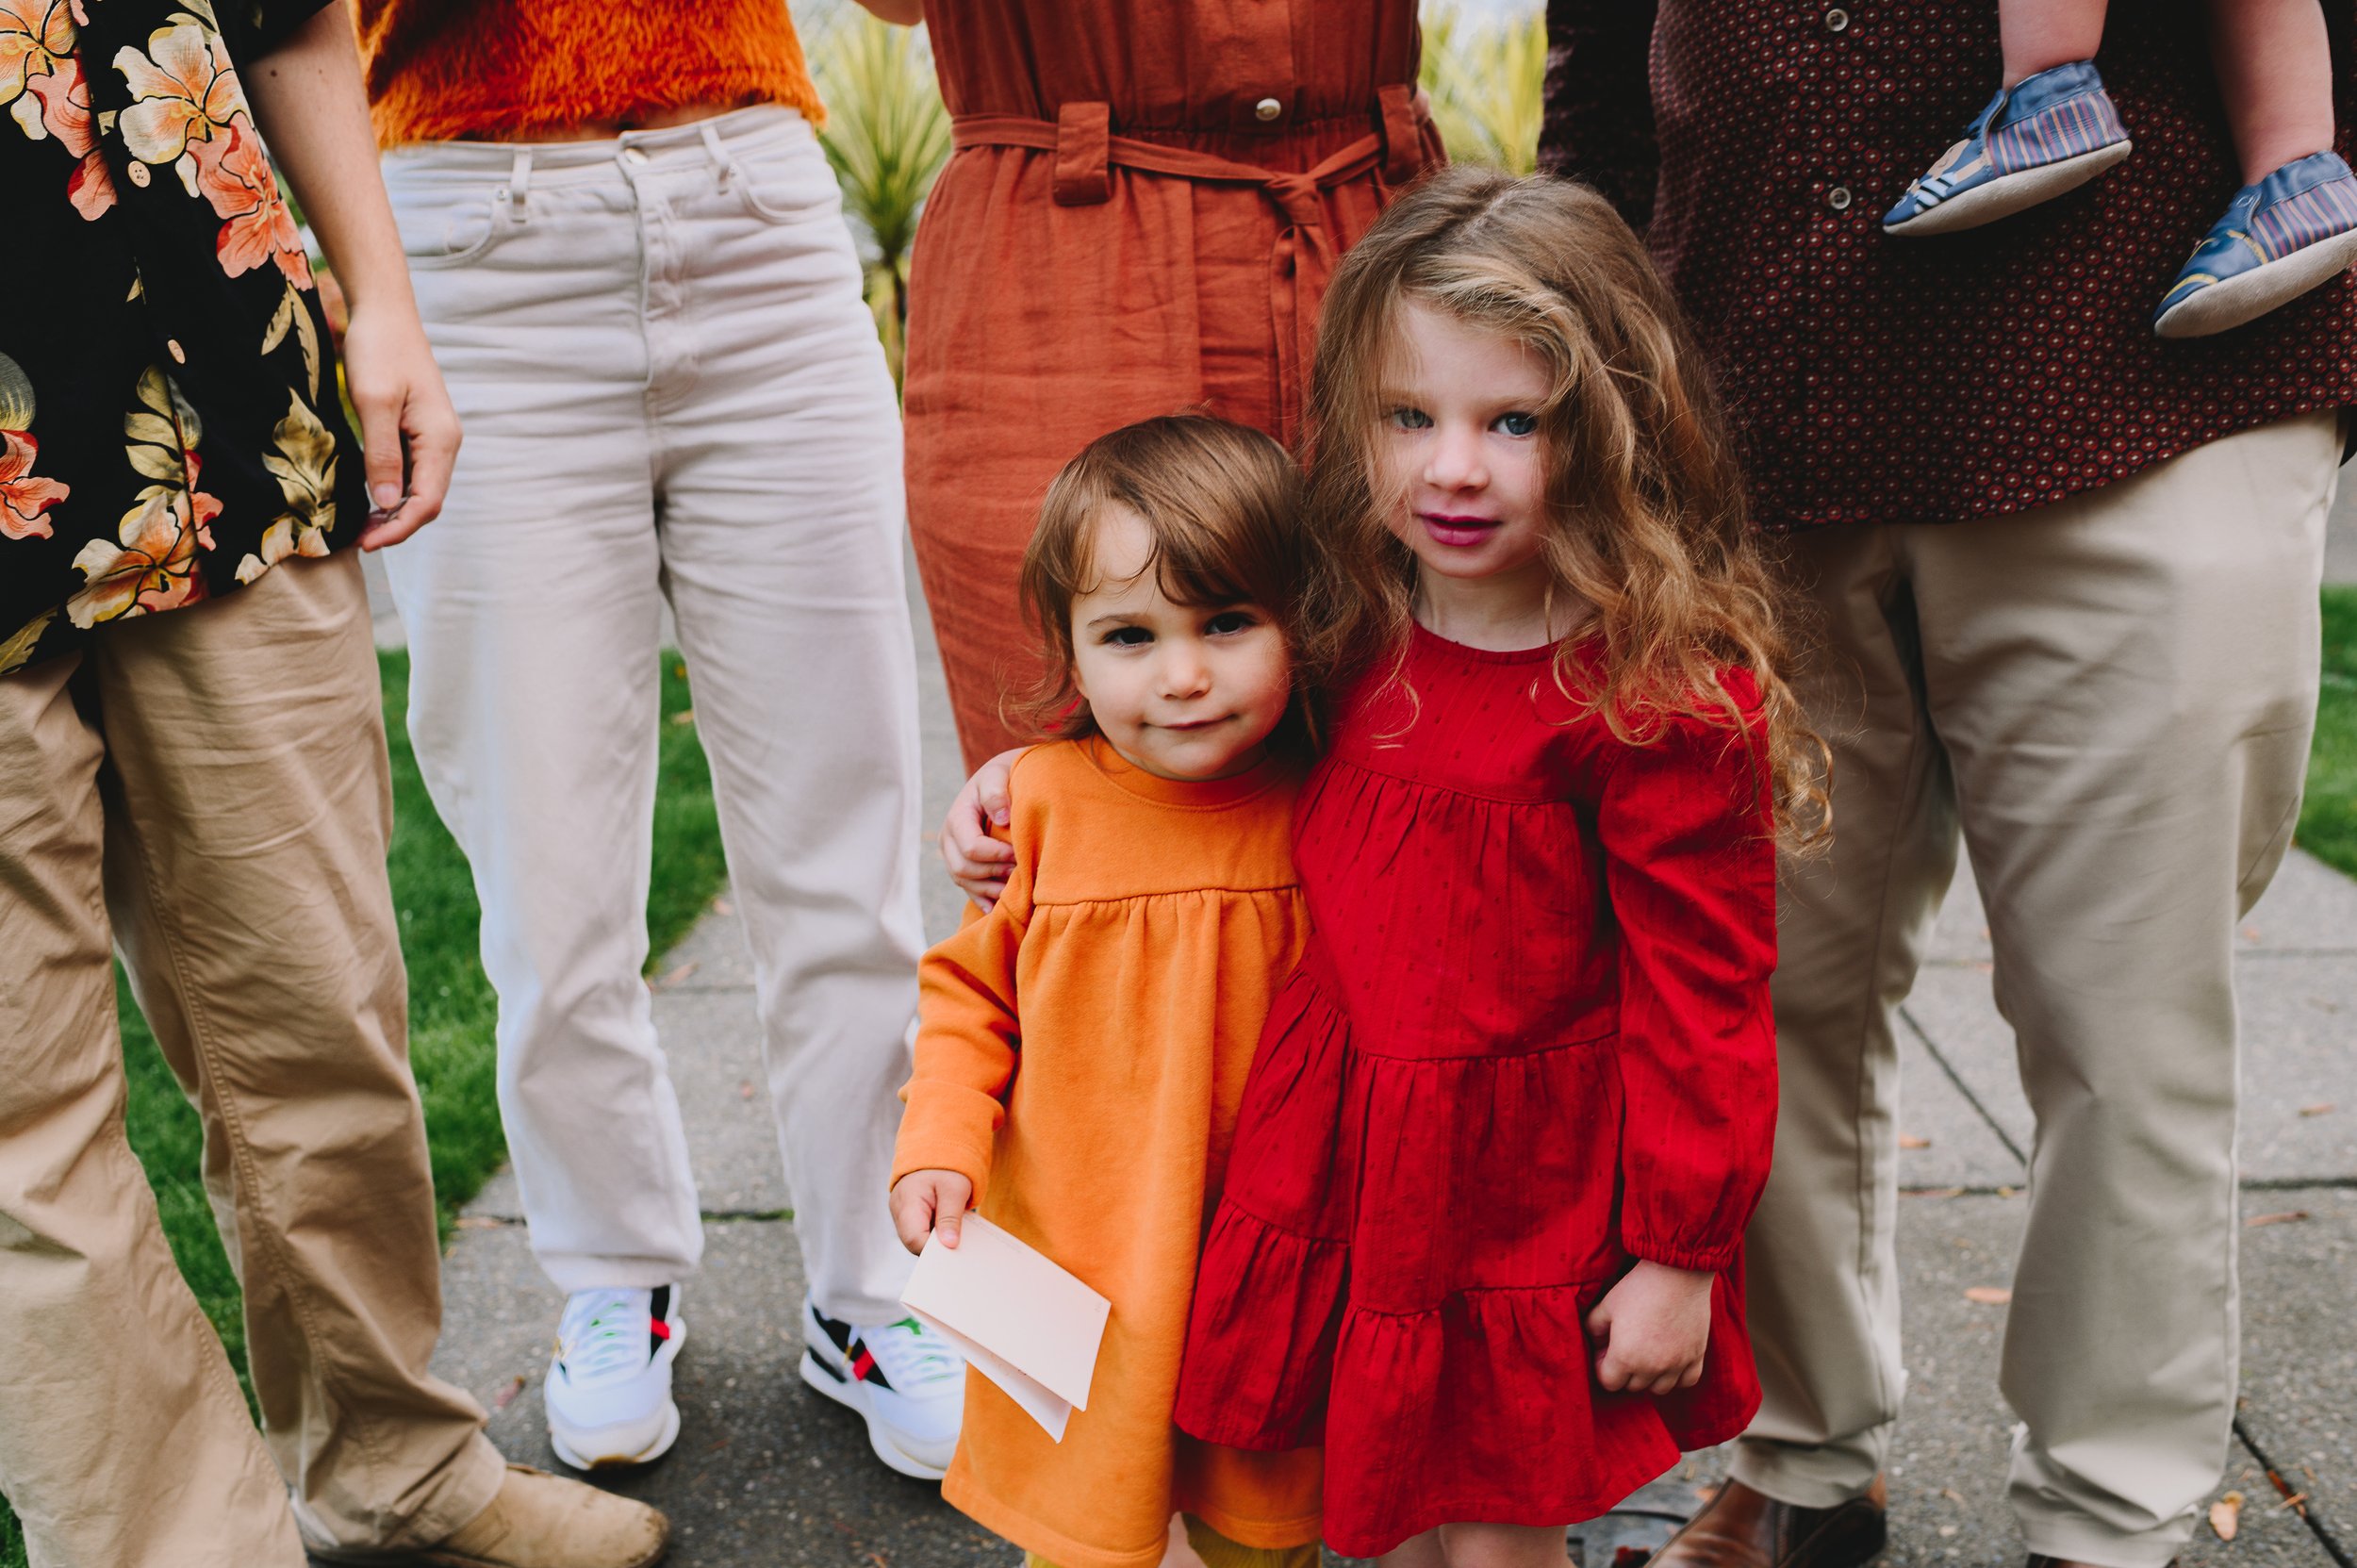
column 1928, row 380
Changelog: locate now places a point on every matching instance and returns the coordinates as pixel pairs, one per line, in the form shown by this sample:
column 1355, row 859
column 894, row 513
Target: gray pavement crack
column 1965, row 1089
column 710, row 1216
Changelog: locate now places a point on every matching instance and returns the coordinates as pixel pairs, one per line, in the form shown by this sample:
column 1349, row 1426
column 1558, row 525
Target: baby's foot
column 2280, row 238
column 2046, row 134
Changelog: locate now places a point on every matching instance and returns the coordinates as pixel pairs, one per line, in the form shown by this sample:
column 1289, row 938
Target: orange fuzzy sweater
column 442, row 70
column 1080, row 1055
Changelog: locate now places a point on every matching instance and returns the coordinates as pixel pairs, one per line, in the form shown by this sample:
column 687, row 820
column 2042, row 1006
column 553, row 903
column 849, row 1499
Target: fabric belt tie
column 1301, row 262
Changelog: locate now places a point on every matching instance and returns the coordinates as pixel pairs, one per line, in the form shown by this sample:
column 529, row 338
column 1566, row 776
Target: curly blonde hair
column 1648, row 522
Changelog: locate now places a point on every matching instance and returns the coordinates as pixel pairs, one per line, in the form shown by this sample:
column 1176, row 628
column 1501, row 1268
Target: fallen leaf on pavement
column 1988, row 1295
column 745, row 1089
column 2323, row 1110
column 1704, row 1494
column 1908, row 1140
column 506, row 1397
column 2284, row 1219
column 721, row 906
column 1952, row 1493
column 686, row 715
column 1931, row 1192
column 680, row 974
column 477, row 1222
column 2226, row 1515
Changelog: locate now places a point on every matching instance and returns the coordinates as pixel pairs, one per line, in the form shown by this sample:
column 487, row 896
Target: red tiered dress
column 1530, row 1041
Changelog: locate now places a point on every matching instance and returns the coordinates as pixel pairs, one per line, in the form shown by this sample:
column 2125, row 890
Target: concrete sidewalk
column 766, row 1473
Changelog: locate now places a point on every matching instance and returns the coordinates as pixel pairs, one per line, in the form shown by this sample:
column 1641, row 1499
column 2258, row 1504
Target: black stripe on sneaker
column 838, row 1332
column 659, row 1319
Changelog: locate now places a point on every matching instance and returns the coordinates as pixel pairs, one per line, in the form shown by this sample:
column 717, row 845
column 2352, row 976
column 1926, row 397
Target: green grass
column 451, row 1005
column 2328, row 818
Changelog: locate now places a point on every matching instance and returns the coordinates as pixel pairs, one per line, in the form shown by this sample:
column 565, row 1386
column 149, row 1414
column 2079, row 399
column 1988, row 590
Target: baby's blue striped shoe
column 2280, row 238
column 2042, row 135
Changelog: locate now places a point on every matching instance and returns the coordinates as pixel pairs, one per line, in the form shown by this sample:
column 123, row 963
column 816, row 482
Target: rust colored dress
column 1145, row 201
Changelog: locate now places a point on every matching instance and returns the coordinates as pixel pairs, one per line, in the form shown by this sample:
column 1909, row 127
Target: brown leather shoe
column 538, row 1520
column 1740, row 1528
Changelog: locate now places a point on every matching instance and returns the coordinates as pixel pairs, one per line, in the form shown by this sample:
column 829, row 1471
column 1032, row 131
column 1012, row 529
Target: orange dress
column 1140, row 217
column 1081, row 1053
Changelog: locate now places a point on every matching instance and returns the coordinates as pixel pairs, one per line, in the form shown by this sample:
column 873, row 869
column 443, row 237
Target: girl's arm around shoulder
column 1687, row 826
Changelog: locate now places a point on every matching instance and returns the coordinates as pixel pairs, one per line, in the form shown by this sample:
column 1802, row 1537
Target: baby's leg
column 2275, row 73
column 2039, row 35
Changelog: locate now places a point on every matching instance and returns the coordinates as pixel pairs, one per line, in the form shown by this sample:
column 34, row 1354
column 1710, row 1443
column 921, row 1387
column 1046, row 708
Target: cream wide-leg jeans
column 2111, row 697
column 671, row 390
column 205, row 791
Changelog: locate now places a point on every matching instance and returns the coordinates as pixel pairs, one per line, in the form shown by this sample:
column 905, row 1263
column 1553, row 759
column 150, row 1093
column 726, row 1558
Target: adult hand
column 408, row 431
column 310, row 106
column 979, row 863
column 924, row 1201
column 1651, row 1329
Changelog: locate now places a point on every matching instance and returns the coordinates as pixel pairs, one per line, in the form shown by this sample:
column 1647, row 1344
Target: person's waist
column 592, row 155
column 606, row 129
column 1264, row 134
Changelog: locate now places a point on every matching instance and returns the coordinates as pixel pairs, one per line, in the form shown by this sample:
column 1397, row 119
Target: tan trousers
column 2112, row 697
column 206, row 790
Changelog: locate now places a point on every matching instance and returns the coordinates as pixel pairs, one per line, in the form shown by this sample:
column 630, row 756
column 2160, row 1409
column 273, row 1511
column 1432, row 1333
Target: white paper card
column 1022, row 1321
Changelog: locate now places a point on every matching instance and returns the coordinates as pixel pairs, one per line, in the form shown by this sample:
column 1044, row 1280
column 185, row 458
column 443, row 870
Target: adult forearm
column 313, row 112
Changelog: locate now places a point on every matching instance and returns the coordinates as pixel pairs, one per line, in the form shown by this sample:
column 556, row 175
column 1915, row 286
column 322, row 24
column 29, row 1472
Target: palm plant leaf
column 1487, row 82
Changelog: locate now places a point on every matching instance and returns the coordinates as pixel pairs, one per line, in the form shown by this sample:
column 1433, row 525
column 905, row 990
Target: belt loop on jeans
column 1083, row 147
column 720, row 160
column 519, row 182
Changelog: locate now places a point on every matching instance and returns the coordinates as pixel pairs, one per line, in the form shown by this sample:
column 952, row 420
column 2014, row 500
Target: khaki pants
column 672, row 393
column 206, row 790
column 2112, row 697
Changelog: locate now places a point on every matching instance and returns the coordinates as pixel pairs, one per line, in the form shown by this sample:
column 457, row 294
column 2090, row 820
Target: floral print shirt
column 169, row 423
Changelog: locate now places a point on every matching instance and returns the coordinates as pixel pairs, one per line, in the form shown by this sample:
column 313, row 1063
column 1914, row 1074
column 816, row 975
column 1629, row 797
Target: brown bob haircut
column 1223, row 502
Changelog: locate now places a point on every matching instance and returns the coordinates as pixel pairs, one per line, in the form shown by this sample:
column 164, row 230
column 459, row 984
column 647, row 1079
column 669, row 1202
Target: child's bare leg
column 1417, row 1551
column 1179, row 1552
column 2275, row 73
column 2040, row 35
column 1505, row 1546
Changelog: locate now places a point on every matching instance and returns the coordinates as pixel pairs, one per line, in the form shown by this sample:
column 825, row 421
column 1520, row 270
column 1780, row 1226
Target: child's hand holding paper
column 1022, row 1321
column 927, row 1201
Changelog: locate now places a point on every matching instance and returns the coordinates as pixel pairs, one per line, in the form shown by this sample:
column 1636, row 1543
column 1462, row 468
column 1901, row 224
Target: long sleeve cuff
column 948, row 1126
column 1715, row 1258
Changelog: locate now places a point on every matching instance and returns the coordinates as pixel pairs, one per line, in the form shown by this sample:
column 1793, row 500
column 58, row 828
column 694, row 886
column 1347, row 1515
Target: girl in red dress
column 1482, row 1234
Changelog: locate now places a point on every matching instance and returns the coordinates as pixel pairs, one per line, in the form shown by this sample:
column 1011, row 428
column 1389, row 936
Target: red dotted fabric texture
column 1928, row 380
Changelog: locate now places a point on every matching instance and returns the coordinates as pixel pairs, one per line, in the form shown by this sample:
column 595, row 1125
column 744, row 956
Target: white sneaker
column 904, row 1381
column 609, row 1388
